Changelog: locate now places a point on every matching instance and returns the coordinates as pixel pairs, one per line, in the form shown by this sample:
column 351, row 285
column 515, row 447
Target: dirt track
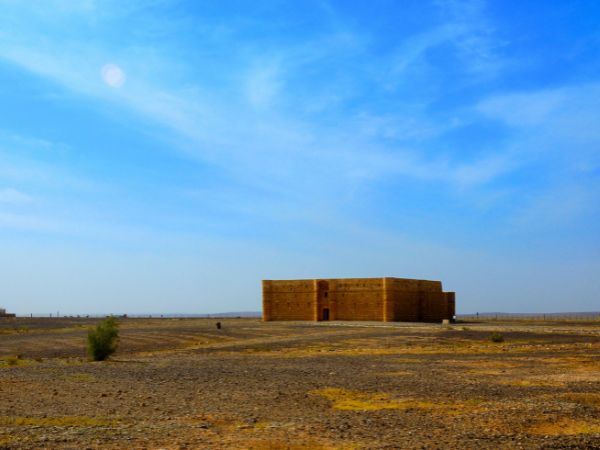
column 185, row 384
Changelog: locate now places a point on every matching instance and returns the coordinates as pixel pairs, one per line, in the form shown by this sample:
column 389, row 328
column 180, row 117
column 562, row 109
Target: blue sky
column 165, row 156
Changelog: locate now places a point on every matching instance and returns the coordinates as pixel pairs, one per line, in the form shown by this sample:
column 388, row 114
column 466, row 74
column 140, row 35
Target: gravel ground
column 181, row 383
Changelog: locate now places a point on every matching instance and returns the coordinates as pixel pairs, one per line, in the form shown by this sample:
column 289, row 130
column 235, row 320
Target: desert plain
column 184, row 384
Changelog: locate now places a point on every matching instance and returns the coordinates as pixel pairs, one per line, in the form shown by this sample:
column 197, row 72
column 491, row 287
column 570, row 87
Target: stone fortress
column 3, row 313
column 372, row 299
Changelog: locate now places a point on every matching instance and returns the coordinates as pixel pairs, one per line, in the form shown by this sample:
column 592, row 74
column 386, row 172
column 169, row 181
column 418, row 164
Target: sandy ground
column 181, row 383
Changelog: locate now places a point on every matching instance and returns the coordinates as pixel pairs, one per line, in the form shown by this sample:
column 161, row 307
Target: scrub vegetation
column 102, row 342
column 178, row 383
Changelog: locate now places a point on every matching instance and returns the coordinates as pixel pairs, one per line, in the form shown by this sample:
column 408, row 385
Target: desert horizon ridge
column 483, row 315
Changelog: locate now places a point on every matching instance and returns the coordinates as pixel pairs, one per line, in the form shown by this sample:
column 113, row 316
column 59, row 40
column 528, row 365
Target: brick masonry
column 377, row 299
column 3, row 313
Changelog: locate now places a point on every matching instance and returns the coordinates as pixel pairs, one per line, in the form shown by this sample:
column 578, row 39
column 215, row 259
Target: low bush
column 12, row 360
column 496, row 337
column 102, row 342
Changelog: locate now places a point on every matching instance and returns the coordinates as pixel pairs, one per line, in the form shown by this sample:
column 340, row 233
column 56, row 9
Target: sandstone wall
column 407, row 284
column 373, row 299
column 358, row 305
column 406, row 305
column 451, row 305
column 288, row 300
column 357, row 298
column 356, row 284
column 434, row 307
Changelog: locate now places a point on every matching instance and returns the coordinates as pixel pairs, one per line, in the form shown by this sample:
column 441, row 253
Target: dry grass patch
column 330, row 350
column 364, row 342
column 408, row 360
column 81, row 378
column 159, row 353
column 567, row 377
column 566, row 426
column 583, row 398
column 482, row 367
column 558, row 372
column 569, row 361
column 398, row 373
column 71, row 361
column 309, row 444
column 64, row 421
column 482, row 364
column 347, row 400
column 7, row 440
column 574, row 364
column 533, row 382
column 405, row 345
column 15, row 361
column 16, row 330
column 424, row 346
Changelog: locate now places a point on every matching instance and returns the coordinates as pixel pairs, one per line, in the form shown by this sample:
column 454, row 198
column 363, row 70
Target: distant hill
column 232, row 314
column 220, row 315
column 557, row 314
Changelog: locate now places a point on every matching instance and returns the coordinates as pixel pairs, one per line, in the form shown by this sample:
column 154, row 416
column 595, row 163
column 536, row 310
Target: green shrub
column 12, row 360
column 102, row 342
column 497, row 337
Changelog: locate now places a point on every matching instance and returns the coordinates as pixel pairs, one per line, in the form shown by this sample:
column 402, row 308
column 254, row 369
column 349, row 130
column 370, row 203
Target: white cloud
column 525, row 109
column 563, row 120
column 415, row 47
column 467, row 34
column 555, row 133
column 475, row 39
column 28, row 222
column 483, row 170
column 262, row 85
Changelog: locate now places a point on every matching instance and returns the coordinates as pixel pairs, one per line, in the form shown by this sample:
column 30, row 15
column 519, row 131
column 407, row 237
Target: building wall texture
column 376, row 299
column 3, row 313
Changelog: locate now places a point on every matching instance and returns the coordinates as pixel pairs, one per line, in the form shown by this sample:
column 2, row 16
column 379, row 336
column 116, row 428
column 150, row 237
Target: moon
column 113, row 75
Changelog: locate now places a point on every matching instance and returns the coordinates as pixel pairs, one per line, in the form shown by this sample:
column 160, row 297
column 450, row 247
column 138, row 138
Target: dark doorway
column 325, row 313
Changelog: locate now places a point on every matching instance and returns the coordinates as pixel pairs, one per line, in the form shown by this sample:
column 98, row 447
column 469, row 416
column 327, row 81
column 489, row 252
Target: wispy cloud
column 465, row 34
column 476, row 39
column 567, row 111
column 262, row 85
column 415, row 48
column 555, row 135
column 249, row 130
column 215, row 124
column 483, row 170
column 28, row 222
column 279, row 123
column 10, row 195
column 563, row 122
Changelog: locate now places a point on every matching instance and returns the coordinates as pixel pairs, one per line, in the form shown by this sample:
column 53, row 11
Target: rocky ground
column 181, row 383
